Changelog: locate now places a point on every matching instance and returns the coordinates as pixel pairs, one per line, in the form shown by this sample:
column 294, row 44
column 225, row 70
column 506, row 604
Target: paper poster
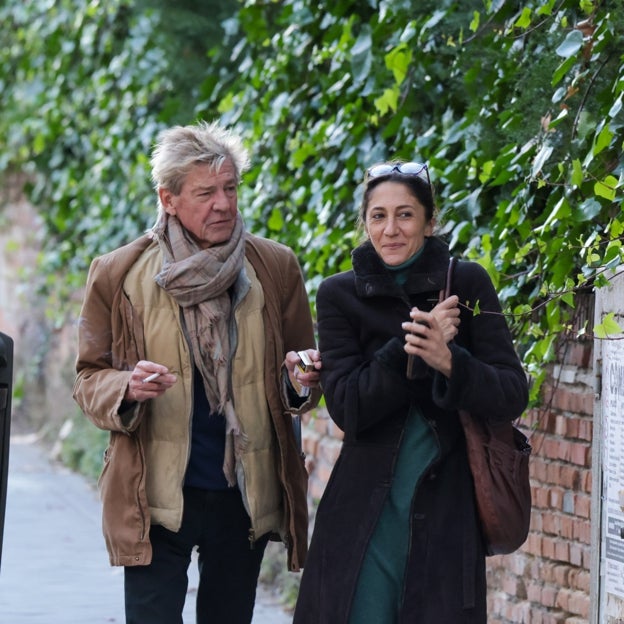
column 613, row 465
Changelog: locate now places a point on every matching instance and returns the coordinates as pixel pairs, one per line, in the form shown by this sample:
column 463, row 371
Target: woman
column 396, row 536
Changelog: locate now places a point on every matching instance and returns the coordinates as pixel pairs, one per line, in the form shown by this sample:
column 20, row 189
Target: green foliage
column 86, row 88
column 83, row 446
column 518, row 113
column 516, row 108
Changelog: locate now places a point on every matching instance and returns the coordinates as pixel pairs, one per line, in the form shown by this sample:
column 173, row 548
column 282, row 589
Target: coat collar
column 427, row 274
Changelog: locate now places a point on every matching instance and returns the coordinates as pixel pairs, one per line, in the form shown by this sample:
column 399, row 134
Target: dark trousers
column 217, row 523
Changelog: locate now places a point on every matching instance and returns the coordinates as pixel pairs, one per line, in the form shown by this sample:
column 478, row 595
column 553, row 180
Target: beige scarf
column 199, row 280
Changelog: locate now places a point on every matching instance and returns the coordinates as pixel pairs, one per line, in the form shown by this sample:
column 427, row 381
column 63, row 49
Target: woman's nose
column 391, row 227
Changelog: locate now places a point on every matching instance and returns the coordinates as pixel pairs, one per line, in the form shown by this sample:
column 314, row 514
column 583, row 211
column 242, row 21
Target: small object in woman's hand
column 305, row 364
column 152, row 377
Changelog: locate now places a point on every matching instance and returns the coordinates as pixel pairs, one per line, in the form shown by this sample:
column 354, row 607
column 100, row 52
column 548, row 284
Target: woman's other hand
column 447, row 313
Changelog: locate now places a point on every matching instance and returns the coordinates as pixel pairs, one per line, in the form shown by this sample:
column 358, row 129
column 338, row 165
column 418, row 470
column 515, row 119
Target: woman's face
column 396, row 222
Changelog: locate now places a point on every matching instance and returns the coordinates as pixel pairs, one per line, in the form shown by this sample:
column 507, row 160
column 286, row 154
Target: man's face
column 207, row 204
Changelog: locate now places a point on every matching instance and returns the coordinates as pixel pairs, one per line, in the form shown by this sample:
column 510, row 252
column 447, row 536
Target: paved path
column 54, row 567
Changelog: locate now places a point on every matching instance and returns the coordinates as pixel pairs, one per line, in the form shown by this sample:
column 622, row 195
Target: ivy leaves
column 520, row 122
column 517, row 111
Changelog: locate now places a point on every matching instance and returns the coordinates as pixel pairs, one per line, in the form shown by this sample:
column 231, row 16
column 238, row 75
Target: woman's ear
column 430, row 227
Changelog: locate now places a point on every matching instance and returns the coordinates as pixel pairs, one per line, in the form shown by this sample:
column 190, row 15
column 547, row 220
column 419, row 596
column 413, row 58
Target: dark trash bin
column 6, row 390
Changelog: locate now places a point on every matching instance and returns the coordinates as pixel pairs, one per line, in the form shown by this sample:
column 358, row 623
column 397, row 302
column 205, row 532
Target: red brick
column 548, row 547
column 320, row 425
column 334, row 430
column 548, row 596
column 562, row 550
column 561, row 425
column 569, row 477
column 561, row 575
column 550, row 523
column 533, row 545
column 309, row 442
column 586, row 430
column 579, row 354
column 579, row 580
column 328, row 450
column 575, row 402
column 582, row 505
column 580, row 454
column 540, row 497
column 582, row 531
column 556, row 498
column 554, row 473
column 538, row 469
column 534, row 592
column 576, row 555
column 579, row 604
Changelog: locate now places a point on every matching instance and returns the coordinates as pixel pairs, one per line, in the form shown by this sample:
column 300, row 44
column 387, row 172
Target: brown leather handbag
column 498, row 454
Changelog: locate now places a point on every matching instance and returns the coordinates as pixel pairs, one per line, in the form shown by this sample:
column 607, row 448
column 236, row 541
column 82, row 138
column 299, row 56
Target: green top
column 379, row 591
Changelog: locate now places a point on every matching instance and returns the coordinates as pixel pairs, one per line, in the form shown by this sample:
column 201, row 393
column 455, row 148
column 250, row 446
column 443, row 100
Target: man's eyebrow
column 202, row 188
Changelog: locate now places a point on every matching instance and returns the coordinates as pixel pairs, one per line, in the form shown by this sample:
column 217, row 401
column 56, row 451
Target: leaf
column 361, row 56
column 276, row 221
column 524, row 21
column 603, row 140
column 562, row 70
column 571, row 45
column 617, row 107
column 388, row 101
column 606, row 188
column 541, row 158
column 398, row 61
column 608, row 327
column 577, row 173
column 474, row 24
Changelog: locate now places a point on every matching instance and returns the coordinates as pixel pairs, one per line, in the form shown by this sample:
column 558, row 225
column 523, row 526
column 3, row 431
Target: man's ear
column 166, row 199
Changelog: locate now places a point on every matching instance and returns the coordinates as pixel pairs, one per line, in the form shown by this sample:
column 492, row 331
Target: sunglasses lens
column 409, row 168
column 380, row 170
column 412, row 168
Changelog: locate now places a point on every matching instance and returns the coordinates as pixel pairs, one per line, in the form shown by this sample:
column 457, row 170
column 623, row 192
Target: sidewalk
column 54, row 567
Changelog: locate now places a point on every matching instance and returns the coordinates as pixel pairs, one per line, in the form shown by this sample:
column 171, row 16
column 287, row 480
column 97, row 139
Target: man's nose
column 222, row 201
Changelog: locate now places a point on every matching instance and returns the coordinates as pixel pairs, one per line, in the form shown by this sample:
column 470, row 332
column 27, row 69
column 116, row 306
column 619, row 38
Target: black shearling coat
column 368, row 395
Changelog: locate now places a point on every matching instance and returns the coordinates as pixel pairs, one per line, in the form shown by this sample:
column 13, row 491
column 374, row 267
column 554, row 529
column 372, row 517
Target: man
column 188, row 342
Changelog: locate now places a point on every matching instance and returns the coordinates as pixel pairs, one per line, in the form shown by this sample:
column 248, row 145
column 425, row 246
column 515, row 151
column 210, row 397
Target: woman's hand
column 148, row 381
column 447, row 313
column 428, row 334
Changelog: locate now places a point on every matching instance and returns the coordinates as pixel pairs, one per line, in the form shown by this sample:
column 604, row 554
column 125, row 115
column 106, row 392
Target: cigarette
column 151, row 377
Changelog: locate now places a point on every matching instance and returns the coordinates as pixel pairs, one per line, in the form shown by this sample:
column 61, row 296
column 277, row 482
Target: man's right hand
column 148, row 381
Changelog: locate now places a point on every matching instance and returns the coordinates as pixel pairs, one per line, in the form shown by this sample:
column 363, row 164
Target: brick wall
column 548, row 580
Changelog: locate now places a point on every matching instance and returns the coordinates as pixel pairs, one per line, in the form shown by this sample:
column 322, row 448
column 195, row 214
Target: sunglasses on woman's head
column 407, row 169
